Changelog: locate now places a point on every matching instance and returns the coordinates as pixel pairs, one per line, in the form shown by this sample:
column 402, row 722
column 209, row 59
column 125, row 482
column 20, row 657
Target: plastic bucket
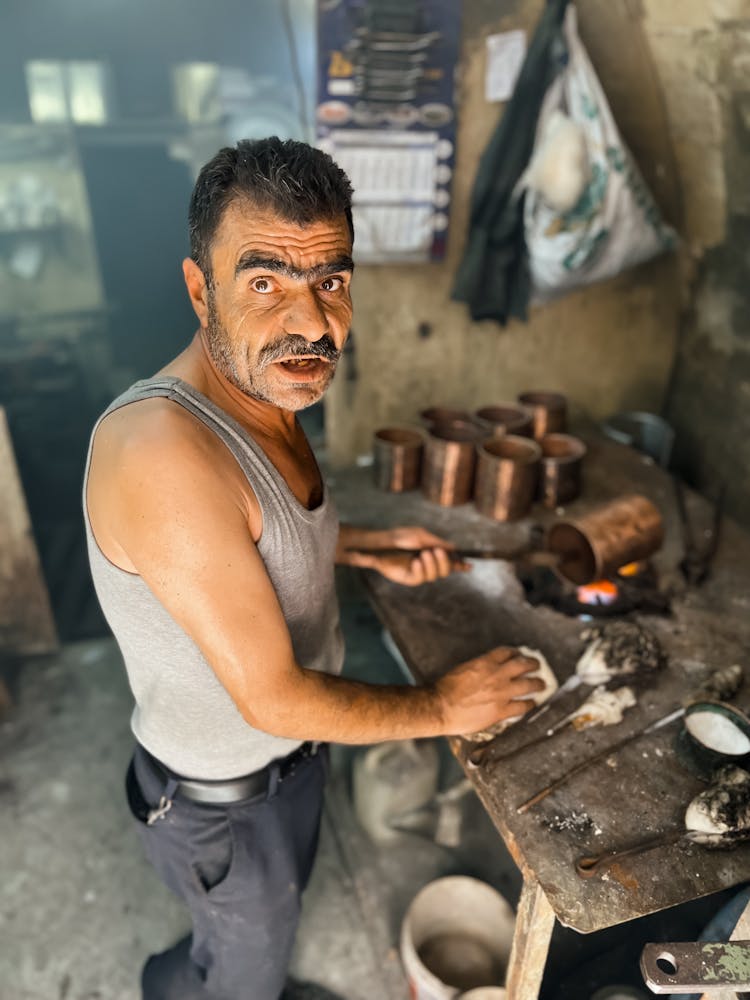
column 485, row 993
column 456, row 937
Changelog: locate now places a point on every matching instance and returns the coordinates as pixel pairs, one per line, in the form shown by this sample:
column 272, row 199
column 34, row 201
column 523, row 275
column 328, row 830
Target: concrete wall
column 671, row 336
column 609, row 347
column 709, row 398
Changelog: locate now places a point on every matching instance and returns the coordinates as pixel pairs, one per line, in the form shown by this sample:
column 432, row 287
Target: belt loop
column 165, row 802
column 274, row 777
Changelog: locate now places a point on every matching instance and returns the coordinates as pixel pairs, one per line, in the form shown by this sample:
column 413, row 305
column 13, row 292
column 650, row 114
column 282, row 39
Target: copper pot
column 398, row 458
column 507, row 418
column 442, row 415
column 597, row 544
column 449, row 463
column 560, row 477
column 549, row 409
column 506, row 477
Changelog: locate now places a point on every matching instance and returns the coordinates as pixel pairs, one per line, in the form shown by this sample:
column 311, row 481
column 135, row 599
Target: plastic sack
column 615, row 223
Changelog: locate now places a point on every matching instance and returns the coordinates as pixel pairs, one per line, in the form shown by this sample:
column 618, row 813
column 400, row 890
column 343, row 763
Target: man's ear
column 197, row 289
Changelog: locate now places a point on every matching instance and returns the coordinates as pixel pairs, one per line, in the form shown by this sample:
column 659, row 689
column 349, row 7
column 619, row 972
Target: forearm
column 352, row 538
column 406, row 555
column 317, row 706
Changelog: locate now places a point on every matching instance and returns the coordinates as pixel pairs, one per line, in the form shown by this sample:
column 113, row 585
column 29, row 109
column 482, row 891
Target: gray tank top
column 183, row 715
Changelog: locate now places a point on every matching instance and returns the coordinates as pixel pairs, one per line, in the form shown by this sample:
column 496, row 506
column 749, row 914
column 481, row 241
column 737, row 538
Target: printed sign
column 386, row 114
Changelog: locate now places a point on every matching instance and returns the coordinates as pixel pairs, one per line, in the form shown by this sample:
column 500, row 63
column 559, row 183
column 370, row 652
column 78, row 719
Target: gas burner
column 618, row 595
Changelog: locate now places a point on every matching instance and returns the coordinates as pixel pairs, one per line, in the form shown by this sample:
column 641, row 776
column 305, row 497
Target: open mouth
column 304, row 368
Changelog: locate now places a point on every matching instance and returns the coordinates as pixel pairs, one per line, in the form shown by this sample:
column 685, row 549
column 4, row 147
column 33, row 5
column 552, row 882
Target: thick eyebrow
column 253, row 260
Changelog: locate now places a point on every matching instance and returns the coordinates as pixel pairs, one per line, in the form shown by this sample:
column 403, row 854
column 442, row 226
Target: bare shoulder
column 163, row 439
column 153, row 458
column 154, row 423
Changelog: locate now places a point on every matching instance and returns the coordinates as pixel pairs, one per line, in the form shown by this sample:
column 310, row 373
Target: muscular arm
column 184, row 527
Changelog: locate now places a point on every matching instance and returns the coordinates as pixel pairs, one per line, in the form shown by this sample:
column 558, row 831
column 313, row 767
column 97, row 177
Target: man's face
column 279, row 306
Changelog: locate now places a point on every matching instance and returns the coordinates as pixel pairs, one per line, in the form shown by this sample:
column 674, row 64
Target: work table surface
column 637, row 792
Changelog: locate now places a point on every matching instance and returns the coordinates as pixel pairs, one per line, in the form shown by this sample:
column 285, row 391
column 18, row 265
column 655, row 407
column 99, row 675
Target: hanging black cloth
column 493, row 277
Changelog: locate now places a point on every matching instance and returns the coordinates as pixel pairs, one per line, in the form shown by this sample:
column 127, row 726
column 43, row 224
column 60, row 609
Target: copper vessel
column 595, row 545
column 449, row 463
column 441, row 415
column 549, row 409
column 560, row 476
column 506, row 477
column 507, row 418
column 398, row 458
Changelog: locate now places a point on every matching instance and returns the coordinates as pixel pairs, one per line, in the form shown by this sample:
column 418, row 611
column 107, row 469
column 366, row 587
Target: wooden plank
column 26, row 622
column 535, row 919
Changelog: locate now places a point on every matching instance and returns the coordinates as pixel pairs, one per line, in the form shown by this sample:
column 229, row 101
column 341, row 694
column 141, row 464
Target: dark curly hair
column 298, row 182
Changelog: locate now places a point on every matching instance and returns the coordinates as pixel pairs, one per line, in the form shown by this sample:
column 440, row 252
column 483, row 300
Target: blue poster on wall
column 386, row 113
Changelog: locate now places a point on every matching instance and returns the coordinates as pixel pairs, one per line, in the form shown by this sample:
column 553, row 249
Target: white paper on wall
column 505, row 55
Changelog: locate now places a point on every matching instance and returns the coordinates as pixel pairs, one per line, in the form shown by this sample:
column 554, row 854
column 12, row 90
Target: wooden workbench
column 622, row 800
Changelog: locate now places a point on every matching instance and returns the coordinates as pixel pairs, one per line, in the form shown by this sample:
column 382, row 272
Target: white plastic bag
column 615, row 223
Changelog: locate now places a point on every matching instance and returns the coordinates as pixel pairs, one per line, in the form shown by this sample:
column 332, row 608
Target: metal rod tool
column 455, row 554
column 564, row 778
column 594, row 864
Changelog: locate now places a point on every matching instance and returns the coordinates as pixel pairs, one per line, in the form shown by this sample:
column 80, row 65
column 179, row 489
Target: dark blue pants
column 240, row 869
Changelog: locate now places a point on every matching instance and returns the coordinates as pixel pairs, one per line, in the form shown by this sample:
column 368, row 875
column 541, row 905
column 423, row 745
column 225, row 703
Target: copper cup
column 506, row 477
column 597, row 544
column 507, row 418
column 549, row 409
column 560, row 477
column 450, row 463
column 398, row 458
column 441, row 415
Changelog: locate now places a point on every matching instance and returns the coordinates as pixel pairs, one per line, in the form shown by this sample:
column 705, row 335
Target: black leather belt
column 235, row 789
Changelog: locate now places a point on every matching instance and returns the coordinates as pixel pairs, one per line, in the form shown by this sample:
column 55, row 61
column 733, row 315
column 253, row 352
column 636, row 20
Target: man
column 212, row 541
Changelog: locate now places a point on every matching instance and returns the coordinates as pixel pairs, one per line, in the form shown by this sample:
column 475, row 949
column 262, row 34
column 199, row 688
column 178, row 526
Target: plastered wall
column 705, row 70
column 609, row 347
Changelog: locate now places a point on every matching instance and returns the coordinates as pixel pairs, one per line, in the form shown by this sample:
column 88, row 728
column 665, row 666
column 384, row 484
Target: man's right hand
column 486, row 690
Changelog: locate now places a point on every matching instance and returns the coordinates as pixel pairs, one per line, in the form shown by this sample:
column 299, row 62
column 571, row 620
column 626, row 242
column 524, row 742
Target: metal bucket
column 597, row 544
column 398, row 458
column 643, row 431
column 506, row 477
column 456, row 936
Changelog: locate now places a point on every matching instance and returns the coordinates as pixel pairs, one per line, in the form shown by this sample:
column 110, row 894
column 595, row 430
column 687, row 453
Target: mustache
column 296, row 346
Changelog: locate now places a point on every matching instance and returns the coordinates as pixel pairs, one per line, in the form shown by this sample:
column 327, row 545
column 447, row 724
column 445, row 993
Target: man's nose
column 305, row 316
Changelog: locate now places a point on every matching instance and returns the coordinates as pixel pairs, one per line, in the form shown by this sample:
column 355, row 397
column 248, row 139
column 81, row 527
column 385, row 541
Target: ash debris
column 574, row 822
